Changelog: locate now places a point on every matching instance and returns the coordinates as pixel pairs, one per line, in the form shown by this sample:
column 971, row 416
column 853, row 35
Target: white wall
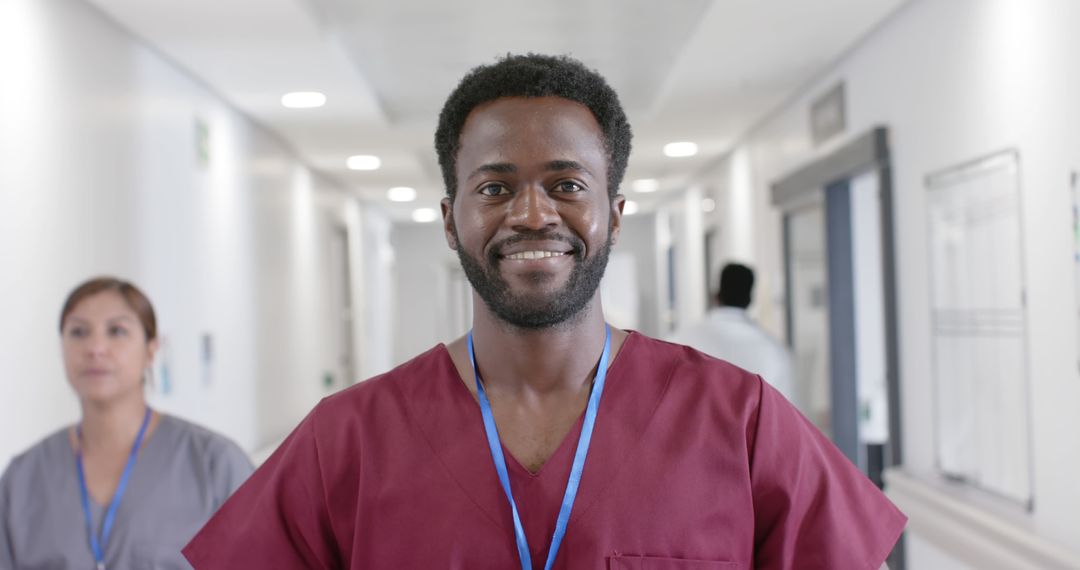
column 689, row 236
column 954, row 81
column 373, row 291
column 420, row 266
column 100, row 174
column 638, row 238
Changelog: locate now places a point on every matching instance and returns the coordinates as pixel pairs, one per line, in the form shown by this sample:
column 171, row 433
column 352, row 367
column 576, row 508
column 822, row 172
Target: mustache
column 577, row 245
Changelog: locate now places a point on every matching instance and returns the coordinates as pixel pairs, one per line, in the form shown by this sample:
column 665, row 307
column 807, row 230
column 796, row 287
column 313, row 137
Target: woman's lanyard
column 575, row 472
column 96, row 545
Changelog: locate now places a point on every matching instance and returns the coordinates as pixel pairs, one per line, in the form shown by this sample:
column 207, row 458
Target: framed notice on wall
column 979, row 326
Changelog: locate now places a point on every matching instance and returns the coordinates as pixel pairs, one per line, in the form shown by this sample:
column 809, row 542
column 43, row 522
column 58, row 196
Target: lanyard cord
column 97, row 546
column 575, row 472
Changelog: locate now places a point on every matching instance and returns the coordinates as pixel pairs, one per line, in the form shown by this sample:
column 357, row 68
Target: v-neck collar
column 164, row 421
column 563, row 454
column 450, row 419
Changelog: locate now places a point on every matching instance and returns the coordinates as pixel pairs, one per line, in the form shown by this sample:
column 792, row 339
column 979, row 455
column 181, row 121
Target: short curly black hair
column 534, row 75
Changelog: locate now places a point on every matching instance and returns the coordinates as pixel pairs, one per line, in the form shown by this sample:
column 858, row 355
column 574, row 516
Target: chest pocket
column 627, row 562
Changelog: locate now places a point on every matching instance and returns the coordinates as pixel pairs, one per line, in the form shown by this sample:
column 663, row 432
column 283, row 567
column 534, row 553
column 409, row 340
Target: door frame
column 865, row 153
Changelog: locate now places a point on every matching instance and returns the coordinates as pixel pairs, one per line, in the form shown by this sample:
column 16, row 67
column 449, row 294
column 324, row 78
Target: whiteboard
column 978, row 326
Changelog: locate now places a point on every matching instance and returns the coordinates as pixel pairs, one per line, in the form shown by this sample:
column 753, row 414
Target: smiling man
column 546, row 438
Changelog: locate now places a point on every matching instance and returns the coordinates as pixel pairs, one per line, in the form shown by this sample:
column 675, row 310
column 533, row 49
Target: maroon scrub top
column 694, row 464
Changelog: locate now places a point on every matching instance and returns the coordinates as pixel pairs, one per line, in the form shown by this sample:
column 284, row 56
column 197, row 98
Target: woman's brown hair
column 131, row 294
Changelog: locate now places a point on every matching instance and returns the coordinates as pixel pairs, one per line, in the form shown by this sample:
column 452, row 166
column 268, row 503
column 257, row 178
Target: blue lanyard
column 96, row 545
column 575, row 472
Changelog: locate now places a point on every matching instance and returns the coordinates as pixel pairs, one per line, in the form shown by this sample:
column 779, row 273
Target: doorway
column 808, row 317
column 841, row 302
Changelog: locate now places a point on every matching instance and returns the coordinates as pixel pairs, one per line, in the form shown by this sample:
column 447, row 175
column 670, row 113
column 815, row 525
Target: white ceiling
column 697, row 70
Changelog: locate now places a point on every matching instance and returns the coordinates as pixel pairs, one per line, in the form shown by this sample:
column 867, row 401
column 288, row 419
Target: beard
column 539, row 310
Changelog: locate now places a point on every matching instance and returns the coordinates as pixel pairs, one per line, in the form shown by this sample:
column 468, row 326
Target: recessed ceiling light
column 645, row 185
column 680, row 149
column 363, row 162
column 630, row 208
column 401, row 194
column 424, row 215
column 303, row 100
column 708, row 204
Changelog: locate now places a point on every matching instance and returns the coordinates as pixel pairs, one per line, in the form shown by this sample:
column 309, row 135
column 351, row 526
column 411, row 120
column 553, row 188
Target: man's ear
column 617, row 204
column 448, row 222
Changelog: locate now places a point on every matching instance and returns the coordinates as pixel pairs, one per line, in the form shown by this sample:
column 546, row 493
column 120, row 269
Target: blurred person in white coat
column 727, row 332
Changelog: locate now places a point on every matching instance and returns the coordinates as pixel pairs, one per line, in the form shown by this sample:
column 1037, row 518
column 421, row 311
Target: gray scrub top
column 182, row 475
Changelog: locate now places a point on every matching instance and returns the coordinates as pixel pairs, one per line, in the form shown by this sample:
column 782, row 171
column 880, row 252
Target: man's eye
column 117, row 331
column 494, row 190
column 77, row 332
column 569, row 186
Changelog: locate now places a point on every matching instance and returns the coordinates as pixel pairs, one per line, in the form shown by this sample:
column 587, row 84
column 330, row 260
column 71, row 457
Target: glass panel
column 869, row 303
column 809, row 313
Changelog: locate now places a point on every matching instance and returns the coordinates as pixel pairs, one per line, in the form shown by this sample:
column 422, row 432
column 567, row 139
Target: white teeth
column 534, row 254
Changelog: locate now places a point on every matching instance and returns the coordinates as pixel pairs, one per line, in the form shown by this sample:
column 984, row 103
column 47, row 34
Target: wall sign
column 828, row 114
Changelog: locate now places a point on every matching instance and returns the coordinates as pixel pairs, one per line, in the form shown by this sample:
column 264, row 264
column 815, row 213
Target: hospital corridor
column 872, row 206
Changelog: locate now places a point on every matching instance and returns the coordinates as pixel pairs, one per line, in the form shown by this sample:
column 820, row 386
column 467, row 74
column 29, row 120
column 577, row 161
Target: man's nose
column 533, row 209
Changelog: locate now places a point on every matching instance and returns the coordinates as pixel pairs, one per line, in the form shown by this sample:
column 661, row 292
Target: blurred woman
column 126, row 486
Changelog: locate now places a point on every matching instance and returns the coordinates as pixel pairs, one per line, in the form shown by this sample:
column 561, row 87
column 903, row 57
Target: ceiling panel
column 700, row 70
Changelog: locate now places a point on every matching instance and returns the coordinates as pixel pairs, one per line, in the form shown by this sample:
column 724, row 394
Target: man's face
column 531, row 222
